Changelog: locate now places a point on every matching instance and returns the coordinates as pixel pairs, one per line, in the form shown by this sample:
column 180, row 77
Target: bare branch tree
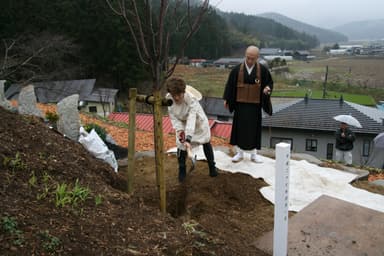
column 151, row 27
column 152, row 37
column 37, row 57
column 13, row 63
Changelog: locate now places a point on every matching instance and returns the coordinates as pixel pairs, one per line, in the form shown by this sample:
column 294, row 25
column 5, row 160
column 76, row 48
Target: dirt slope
column 39, row 216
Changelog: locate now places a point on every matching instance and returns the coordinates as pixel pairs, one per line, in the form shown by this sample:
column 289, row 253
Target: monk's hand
column 267, row 90
column 225, row 104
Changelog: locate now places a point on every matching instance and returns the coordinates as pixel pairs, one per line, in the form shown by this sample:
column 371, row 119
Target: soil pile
column 56, row 199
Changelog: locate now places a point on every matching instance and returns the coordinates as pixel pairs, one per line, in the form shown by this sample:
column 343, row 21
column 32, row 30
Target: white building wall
column 299, row 138
column 108, row 107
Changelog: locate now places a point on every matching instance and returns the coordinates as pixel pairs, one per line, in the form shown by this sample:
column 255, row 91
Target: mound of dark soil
column 56, row 199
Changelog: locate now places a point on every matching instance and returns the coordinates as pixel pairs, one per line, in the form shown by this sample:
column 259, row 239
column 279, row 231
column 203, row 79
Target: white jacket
column 189, row 117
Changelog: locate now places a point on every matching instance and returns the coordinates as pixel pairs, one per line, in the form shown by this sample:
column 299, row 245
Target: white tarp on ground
column 307, row 181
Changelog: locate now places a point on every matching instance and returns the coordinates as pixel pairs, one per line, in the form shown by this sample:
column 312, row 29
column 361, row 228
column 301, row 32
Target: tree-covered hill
column 269, row 33
column 84, row 39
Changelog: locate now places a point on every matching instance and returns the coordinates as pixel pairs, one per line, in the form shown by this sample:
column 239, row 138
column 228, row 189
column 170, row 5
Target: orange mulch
column 378, row 176
column 144, row 139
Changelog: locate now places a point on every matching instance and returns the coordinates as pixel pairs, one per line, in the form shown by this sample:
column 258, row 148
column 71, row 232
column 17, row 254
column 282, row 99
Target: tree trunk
column 159, row 149
column 131, row 139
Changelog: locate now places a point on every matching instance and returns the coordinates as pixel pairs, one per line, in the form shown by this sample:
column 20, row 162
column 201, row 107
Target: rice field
column 359, row 80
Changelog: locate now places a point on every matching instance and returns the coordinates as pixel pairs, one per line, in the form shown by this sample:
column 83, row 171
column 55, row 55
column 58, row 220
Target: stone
column 3, row 101
column 69, row 118
column 330, row 226
column 28, row 103
column 378, row 183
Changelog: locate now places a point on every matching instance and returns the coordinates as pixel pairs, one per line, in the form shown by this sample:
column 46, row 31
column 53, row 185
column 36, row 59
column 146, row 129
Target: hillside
column 56, row 199
column 363, row 30
column 266, row 32
column 324, row 35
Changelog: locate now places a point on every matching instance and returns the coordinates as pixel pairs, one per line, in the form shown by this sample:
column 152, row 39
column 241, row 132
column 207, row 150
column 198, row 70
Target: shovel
column 193, row 159
column 181, row 137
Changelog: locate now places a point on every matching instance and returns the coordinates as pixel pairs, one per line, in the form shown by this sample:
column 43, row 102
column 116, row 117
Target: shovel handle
column 189, row 152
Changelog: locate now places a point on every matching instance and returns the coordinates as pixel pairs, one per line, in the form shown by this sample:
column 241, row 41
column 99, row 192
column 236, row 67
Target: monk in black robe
column 247, row 92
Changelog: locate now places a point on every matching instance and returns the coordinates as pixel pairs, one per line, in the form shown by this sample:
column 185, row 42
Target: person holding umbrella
column 344, row 143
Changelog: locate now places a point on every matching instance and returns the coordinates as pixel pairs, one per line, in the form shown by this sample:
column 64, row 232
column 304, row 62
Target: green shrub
column 14, row 163
column 98, row 199
column 79, row 193
column 9, row 226
column 98, row 129
column 50, row 243
column 52, row 116
column 65, row 196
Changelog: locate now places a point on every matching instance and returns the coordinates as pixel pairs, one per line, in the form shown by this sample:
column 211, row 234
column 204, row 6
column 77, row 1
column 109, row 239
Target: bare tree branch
column 193, row 28
column 151, row 33
column 122, row 12
column 6, row 52
column 117, row 12
column 162, row 13
column 32, row 57
column 140, row 29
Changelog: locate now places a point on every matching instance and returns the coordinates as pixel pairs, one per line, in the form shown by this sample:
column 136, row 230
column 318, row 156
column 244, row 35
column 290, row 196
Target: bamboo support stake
column 159, row 150
column 131, row 139
column 151, row 99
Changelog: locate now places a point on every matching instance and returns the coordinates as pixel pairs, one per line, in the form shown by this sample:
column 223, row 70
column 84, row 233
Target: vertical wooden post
column 131, row 139
column 159, row 149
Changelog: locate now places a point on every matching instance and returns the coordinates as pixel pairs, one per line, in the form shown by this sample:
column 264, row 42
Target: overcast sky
column 323, row 13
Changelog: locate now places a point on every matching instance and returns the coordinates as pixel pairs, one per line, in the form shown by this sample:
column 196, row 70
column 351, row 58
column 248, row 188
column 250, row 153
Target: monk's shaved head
column 252, row 49
column 251, row 55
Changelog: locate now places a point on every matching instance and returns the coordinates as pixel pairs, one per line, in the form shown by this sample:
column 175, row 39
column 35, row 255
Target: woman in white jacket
column 190, row 123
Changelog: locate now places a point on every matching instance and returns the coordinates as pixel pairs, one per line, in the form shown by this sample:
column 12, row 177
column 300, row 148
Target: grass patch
column 343, row 80
column 301, row 69
column 209, row 81
column 318, row 94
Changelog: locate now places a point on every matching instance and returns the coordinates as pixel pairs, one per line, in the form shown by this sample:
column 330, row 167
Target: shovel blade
column 193, row 163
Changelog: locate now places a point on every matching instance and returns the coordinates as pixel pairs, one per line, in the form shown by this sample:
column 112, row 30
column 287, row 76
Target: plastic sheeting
column 96, row 146
column 307, row 181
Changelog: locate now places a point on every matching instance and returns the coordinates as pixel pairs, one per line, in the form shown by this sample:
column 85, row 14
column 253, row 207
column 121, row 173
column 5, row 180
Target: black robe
column 246, row 126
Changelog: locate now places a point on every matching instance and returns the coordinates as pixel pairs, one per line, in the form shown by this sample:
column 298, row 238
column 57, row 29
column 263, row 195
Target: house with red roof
column 307, row 124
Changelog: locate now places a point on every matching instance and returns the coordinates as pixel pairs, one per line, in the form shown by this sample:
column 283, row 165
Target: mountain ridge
column 252, row 29
column 324, row 35
column 365, row 29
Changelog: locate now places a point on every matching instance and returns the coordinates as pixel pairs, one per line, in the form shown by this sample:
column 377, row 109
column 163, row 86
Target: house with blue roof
column 308, row 125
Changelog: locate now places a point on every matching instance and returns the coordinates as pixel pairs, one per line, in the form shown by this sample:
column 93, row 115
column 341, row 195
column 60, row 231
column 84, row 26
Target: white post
column 280, row 231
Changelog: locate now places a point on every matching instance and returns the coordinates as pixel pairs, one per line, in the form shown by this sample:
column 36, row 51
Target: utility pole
column 325, row 82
